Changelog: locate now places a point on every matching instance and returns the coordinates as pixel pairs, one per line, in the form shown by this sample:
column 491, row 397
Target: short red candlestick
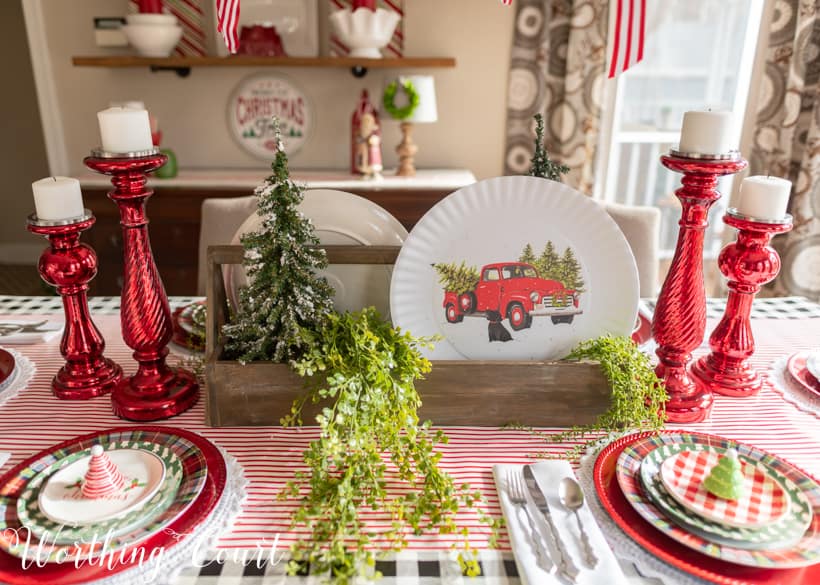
column 679, row 322
column 156, row 391
column 69, row 266
column 747, row 263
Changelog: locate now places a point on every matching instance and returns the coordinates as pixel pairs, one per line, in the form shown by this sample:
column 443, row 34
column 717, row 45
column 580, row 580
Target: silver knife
column 565, row 565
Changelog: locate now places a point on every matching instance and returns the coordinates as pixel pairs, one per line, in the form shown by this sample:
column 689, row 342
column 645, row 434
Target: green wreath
column 389, row 100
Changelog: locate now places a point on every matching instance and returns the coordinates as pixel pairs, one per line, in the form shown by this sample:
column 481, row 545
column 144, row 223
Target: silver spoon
column 572, row 498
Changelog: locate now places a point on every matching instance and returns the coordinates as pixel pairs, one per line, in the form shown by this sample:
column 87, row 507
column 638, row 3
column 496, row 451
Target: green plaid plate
column 627, row 470
column 782, row 534
column 30, row 515
column 18, row 541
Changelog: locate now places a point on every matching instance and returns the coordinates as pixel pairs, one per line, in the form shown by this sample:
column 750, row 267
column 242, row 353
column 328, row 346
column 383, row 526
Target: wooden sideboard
column 175, row 208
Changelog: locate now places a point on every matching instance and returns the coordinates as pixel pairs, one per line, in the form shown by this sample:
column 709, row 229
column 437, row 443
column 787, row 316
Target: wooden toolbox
column 470, row 393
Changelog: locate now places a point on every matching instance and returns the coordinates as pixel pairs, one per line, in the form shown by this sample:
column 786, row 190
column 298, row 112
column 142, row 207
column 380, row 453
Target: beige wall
column 22, row 153
column 192, row 111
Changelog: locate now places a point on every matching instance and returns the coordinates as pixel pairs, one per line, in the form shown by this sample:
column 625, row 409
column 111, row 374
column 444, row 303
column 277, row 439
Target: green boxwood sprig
column 638, row 396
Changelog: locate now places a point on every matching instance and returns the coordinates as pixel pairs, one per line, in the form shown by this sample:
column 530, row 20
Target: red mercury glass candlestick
column 747, row 263
column 155, row 391
column 69, row 266
column 679, row 322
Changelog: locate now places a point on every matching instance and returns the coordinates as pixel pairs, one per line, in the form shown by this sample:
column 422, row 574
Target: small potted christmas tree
column 284, row 294
column 541, row 164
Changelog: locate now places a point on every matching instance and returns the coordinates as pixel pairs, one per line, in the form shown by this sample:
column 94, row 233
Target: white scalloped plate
column 491, row 221
column 340, row 218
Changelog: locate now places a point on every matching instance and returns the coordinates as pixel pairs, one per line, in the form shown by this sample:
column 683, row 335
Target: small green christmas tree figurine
column 284, row 294
column 725, row 480
column 542, row 166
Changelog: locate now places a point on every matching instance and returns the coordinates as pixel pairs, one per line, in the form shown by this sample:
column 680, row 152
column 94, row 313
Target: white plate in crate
column 516, row 268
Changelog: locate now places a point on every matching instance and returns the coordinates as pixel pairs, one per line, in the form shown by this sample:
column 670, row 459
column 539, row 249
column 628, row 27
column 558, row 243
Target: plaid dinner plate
column 764, row 500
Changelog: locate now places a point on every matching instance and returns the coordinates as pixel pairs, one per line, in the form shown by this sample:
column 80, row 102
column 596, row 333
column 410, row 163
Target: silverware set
column 15, row 328
column 572, row 498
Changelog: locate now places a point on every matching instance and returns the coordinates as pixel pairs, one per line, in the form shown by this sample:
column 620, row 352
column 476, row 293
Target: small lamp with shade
column 415, row 105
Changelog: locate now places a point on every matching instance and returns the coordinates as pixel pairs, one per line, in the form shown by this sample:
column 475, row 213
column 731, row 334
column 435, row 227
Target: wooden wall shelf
column 183, row 65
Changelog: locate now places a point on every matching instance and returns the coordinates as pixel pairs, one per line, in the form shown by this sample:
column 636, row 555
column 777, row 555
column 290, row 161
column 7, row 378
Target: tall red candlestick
column 679, row 322
column 747, row 263
column 156, row 391
column 69, row 266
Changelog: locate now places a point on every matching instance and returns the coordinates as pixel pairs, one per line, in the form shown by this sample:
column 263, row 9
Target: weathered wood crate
column 475, row 393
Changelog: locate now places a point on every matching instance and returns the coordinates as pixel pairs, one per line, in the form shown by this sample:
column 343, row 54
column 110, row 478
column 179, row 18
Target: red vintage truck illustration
column 514, row 291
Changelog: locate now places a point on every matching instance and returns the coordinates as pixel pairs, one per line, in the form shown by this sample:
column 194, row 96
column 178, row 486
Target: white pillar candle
column 57, row 198
column 707, row 133
column 764, row 197
column 125, row 130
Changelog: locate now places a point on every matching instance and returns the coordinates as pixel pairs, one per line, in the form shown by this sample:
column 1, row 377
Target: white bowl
column 166, row 19
column 364, row 30
column 153, row 40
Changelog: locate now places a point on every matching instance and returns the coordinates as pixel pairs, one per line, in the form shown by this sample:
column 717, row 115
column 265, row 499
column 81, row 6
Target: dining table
column 33, row 419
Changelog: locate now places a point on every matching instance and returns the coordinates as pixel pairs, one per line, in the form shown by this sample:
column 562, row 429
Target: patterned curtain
column 557, row 69
column 787, row 138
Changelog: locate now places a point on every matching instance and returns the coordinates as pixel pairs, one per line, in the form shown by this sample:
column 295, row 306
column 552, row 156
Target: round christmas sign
column 254, row 104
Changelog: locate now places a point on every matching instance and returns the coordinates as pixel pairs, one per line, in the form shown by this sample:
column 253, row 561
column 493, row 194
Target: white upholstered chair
column 221, row 217
column 641, row 226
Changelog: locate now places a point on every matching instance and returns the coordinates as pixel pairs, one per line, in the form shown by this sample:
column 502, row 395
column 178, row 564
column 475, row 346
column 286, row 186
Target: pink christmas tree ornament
column 103, row 479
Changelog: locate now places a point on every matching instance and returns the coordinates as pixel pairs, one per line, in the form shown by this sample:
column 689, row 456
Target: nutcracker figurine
column 366, row 140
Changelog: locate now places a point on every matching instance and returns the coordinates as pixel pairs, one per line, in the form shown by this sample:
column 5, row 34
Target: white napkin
column 44, row 333
column 549, row 475
column 4, row 457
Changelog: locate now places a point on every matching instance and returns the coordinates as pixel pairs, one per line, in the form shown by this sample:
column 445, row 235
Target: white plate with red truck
column 514, row 268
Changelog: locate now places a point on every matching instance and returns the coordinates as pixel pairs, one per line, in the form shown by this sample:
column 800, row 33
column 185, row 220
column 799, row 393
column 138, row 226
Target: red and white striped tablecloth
column 35, row 420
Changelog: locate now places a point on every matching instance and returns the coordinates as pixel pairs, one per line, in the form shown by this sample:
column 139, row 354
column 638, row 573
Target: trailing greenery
column 638, row 395
column 457, row 278
column 284, row 295
column 542, row 166
column 365, row 370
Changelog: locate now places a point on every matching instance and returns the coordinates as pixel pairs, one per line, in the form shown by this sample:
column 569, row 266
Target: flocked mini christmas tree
column 542, row 166
column 284, row 293
column 725, row 480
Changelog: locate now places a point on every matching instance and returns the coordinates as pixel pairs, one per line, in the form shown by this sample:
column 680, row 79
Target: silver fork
column 12, row 328
column 517, row 495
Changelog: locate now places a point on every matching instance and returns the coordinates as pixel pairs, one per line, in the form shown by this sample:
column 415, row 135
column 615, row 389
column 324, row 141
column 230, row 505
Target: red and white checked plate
column 764, row 500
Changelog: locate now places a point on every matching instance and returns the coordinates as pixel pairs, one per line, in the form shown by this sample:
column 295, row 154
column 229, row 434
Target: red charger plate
column 800, row 373
column 12, row 572
column 671, row 551
column 181, row 337
column 6, row 365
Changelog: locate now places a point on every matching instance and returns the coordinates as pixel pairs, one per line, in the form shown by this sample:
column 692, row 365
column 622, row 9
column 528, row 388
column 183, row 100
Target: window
column 699, row 54
column 491, row 274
